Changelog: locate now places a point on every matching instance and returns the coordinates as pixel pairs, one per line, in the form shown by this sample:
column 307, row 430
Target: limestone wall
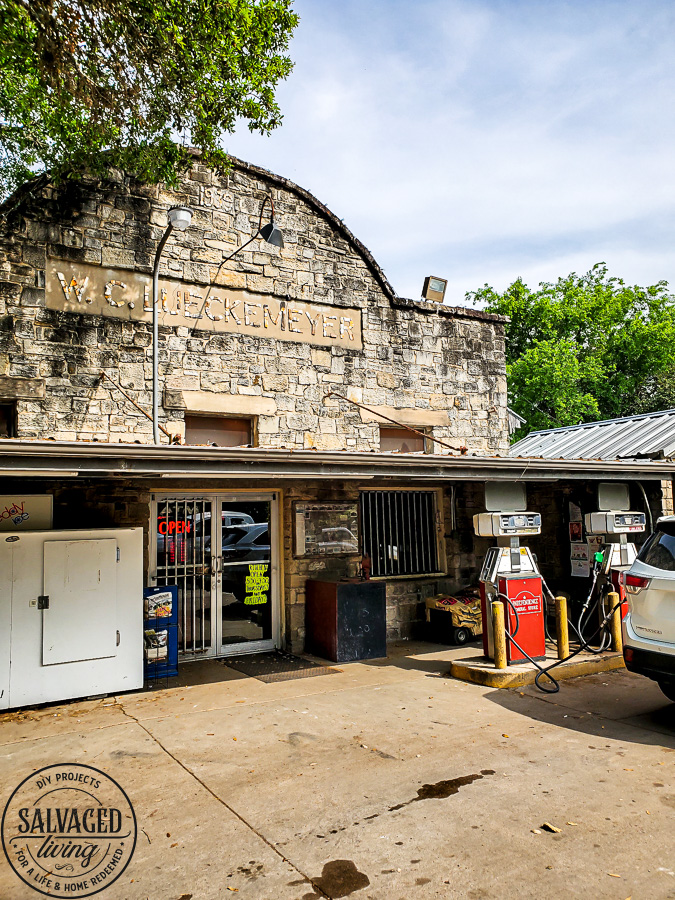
column 423, row 364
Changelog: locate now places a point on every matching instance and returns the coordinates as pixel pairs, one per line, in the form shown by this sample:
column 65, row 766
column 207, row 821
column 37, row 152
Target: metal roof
column 73, row 459
column 650, row 436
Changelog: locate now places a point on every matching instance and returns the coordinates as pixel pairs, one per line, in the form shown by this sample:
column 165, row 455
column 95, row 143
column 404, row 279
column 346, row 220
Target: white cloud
column 480, row 141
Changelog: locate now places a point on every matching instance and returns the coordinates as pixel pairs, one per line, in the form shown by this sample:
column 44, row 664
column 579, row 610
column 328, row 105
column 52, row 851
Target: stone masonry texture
column 436, row 367
column 439, row 361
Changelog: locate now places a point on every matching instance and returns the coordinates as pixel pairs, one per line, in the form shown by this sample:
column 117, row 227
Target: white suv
column 649, row 625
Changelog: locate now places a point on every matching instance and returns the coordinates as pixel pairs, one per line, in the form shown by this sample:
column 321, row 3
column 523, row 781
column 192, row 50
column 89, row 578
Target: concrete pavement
column 385, row 781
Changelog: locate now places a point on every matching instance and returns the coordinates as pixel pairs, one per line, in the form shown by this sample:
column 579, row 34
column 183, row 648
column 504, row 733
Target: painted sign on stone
column 95, row 291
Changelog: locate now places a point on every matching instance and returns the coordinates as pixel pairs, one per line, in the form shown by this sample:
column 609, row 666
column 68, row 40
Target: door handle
column 215, row 560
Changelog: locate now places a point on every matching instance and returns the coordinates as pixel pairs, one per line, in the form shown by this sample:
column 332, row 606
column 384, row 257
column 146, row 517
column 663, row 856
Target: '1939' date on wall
column 95, row 291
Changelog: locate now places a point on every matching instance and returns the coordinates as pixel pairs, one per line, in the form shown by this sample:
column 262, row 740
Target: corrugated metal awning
column 649, row 436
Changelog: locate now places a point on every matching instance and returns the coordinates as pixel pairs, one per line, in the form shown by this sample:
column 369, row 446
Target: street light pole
column 179, row 218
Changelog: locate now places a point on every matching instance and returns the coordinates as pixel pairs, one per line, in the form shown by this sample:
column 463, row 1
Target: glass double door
column 221, row 552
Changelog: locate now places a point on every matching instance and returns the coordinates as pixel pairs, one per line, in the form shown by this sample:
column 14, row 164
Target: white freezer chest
column 71, row 614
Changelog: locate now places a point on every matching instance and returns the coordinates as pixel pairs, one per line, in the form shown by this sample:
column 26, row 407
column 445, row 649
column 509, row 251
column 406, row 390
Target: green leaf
column 85, row 84
column 585, row 348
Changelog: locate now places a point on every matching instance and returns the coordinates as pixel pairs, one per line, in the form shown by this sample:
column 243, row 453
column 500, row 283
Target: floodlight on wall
column 179, row 219
column 434, row 289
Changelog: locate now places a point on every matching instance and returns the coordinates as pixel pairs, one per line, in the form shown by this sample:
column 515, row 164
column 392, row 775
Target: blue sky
column 481, row 140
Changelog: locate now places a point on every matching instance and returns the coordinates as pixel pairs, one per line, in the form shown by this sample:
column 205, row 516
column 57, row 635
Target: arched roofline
column 328, row 214
column 25, row 190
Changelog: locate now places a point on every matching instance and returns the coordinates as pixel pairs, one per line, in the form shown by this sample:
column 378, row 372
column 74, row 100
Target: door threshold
column 248, row 651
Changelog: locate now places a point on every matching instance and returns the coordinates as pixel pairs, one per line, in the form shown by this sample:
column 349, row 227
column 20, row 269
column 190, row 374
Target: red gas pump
column 510, row 575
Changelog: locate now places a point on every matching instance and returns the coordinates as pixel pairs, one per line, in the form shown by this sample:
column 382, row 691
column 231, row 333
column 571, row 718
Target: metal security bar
column 184, row 559
column 399, row 531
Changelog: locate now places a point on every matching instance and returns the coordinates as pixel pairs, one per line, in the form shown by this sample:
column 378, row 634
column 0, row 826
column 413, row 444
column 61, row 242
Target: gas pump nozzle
column 601, row 562
column 614, row 519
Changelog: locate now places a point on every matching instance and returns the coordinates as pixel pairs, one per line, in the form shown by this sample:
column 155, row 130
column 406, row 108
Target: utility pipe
column 374, row 412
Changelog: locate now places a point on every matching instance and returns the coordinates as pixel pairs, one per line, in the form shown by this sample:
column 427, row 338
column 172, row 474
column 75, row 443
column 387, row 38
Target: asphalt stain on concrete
column 443, row 789
column 339, row 878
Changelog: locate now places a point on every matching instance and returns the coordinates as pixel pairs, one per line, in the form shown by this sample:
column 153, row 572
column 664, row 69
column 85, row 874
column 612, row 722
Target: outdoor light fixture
column 179, row 218
column 434, row 288
column 270, row 233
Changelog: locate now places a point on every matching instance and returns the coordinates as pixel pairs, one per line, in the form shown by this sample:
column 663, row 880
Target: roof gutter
column 49, row 458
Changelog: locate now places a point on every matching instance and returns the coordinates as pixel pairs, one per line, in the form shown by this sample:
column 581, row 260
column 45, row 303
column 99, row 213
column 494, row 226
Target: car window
column 232, row 534
column 263, row 538
column 659, row 550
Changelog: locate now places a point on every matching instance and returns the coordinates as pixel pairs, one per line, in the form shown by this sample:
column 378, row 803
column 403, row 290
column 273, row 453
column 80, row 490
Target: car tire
column 461, row 636
column 668, row 688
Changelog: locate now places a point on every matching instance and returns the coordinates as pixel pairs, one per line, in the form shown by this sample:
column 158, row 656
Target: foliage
column 585, row 348
column 89, row 83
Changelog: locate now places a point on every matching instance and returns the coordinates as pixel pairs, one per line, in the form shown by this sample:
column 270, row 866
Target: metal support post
column 561, row 627
column 155, row 335
column 615, row 622
column 499, row 634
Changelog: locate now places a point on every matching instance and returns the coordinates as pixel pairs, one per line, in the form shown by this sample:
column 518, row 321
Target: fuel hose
column 545, row 671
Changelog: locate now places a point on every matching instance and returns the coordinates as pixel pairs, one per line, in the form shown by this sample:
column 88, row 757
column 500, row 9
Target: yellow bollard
column 615, row 622
column 498, row 634
column 561, row 627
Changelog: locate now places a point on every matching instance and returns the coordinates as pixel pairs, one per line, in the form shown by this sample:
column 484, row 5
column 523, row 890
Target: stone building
column 267, row 335
column 290, row 380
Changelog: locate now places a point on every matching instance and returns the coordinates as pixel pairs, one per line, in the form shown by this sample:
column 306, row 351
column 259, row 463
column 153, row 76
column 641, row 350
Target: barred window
column 398, row 531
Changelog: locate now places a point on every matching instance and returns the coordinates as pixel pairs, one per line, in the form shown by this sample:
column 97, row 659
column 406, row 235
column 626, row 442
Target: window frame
column 425, row 430
column 196, row 414
column 439, row 519
column 11, row 407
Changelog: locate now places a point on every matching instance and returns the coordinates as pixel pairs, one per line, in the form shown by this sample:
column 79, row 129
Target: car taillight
column 635, row 583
